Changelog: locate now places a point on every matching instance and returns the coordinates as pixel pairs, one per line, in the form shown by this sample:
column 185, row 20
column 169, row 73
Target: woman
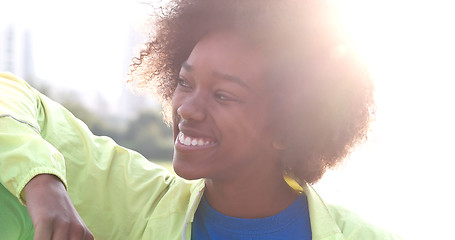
column 259, row 94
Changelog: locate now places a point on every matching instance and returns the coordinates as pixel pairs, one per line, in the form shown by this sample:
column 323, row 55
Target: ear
column 278, row 144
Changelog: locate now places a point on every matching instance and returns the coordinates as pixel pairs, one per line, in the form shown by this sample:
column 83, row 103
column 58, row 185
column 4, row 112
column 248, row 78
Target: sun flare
column 410, row 49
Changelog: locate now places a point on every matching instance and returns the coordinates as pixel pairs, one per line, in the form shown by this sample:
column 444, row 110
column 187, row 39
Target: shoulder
column 19, row 101
column 354, row 227
column 10, row 82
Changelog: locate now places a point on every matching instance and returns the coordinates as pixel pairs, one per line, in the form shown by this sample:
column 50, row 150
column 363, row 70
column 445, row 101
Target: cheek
column 246, row 123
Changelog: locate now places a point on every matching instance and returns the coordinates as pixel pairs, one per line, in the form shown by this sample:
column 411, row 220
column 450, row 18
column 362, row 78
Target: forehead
column 228, row 53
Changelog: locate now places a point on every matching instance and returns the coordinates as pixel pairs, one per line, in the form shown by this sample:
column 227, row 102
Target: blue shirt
column 291, row 223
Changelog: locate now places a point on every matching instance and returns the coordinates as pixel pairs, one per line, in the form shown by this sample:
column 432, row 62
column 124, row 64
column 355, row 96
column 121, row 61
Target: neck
column 250, row 197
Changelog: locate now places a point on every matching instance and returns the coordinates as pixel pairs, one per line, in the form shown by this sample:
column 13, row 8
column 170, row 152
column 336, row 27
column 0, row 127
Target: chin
column 185, row 171
column 187, row 174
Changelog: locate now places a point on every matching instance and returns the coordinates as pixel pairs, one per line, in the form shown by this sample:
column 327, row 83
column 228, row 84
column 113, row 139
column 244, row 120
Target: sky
column 400, row 178
column 87, row 45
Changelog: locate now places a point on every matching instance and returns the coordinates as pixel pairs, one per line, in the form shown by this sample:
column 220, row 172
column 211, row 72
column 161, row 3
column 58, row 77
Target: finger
column 43, row 231
column 78, row 231
column 89, row 235
column 62, row 230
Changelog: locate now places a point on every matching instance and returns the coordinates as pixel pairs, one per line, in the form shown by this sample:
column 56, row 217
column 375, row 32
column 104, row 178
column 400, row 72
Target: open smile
column 190, row 142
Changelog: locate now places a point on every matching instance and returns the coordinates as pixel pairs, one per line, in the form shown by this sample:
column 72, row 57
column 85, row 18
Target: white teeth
column 189, row 141
column 181, row 137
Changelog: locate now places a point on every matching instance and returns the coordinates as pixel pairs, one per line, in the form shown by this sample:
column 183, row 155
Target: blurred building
column 15, row 50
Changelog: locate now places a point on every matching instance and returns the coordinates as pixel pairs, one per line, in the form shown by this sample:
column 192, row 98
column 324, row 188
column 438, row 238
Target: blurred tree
column 149, row 136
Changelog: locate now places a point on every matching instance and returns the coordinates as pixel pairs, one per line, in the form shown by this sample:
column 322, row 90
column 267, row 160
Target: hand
column 52, row 212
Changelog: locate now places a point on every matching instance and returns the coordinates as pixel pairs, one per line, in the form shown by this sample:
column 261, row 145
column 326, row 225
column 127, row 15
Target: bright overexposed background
column 83, row 45
column 401, row 179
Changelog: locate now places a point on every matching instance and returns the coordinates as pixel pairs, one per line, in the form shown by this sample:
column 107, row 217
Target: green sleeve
column 23, row 152
column 115, row 190
column 354, row 227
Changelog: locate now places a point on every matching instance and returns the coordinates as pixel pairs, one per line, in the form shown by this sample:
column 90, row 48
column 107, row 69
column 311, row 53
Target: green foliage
column 149, row 135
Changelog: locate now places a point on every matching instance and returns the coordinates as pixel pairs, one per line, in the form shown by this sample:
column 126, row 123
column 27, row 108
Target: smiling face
column 220, row 112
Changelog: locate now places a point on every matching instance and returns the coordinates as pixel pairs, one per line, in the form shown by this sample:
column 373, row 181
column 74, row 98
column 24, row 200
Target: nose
column 192, row 108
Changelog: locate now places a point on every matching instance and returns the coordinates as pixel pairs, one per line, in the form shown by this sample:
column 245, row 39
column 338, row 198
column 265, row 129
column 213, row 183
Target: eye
column 183, row 83
column 224, row 97
column 221, row 97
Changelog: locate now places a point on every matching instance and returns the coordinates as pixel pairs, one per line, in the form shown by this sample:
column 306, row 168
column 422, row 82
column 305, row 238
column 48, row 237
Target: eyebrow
column 231, row 78
column 219, row 75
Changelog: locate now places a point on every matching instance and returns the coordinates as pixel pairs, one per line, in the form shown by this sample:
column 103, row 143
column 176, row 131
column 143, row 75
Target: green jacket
column 118, row 193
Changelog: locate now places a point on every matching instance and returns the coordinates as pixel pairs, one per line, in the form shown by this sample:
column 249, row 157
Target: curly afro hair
column 322, row 94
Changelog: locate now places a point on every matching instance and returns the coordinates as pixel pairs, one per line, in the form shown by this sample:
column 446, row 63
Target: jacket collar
column 197, row 191
column 323, row 226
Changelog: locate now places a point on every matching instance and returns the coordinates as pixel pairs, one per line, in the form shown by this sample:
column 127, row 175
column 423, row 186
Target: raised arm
column 32, row 169
column 115, row 190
